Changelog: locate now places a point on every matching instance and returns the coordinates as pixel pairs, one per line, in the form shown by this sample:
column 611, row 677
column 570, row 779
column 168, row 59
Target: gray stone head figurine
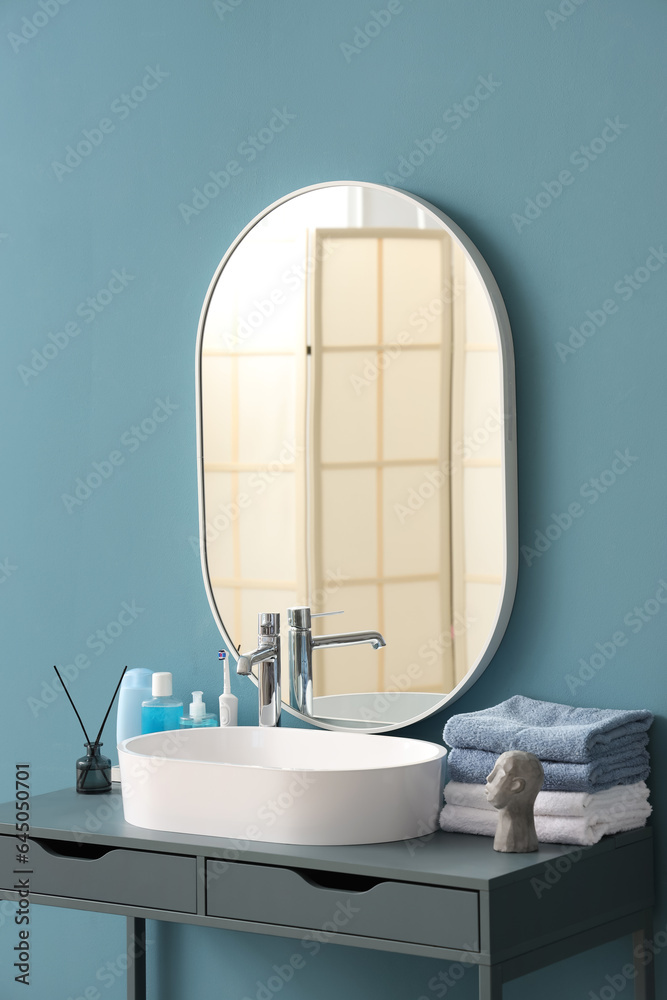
column 512, row 788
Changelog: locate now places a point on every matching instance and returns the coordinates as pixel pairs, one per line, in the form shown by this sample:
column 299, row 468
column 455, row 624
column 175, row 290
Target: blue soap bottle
column 198, row 717
column 162, row 711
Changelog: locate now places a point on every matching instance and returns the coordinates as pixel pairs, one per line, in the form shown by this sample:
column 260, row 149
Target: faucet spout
column 248, row 660
column 373, row 638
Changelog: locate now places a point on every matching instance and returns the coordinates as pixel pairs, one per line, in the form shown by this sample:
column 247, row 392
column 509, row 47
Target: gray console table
column 447, row 896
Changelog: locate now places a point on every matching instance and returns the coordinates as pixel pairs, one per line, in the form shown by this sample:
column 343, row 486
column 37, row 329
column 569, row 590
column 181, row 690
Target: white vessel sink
column 287, row 786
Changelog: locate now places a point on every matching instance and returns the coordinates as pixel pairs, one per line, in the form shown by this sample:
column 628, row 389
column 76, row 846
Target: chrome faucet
column 267, row 656
column 301, row 643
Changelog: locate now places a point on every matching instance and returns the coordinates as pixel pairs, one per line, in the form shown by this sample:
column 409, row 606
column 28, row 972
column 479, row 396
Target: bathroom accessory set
column 595, row 768
column 146, row 704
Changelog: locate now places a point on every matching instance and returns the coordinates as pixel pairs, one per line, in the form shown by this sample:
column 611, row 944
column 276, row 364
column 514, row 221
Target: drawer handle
column 341, row 881
column 72, row 849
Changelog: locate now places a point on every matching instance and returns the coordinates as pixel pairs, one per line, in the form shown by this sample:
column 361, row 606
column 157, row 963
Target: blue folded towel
column 473, row 766
column 550, row 731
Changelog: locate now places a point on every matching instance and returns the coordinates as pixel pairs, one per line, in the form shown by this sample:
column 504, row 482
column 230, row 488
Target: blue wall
column 217, row 72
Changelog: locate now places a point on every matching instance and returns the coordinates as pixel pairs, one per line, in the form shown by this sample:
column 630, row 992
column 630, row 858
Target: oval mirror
column 356, row 447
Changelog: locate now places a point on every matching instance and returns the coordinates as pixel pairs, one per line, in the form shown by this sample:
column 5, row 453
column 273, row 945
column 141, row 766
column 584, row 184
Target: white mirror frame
column 510, row 497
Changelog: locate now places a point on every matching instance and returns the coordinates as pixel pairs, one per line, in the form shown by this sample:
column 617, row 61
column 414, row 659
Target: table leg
column 490, row 982
column 645, row 970
column 136, row 958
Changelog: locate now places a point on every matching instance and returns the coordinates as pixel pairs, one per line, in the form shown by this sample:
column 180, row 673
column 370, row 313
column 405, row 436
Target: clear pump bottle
column 198, row 716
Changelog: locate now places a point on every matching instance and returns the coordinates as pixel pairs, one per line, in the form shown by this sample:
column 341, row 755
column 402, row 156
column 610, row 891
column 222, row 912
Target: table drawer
column 90, row 871
column 325, row 902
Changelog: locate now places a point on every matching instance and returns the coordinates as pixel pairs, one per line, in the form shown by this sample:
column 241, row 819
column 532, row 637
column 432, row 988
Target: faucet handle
column 268, row 624
column 301, row 617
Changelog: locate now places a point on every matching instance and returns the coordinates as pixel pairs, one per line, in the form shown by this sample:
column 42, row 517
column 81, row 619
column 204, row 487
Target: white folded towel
column 584, row 830
column 609, row 805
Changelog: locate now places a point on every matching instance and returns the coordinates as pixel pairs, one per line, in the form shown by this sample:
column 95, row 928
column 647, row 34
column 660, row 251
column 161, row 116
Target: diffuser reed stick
column 104, row 722
column 72, row 703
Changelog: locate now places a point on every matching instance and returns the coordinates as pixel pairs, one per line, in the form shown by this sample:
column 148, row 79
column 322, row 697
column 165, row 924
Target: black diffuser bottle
column 93, row 772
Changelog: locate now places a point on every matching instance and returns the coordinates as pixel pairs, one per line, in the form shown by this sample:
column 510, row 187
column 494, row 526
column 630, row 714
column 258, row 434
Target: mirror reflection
column 352, row 432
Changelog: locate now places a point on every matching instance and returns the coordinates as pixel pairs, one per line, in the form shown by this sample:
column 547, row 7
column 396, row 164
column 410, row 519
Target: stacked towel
column 560, row 817
column 595, row 766
column 617, row 769
column 550, row 731
column 606, row 805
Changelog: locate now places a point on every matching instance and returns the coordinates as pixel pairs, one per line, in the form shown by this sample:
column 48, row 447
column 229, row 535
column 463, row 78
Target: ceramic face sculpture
column 512, row 788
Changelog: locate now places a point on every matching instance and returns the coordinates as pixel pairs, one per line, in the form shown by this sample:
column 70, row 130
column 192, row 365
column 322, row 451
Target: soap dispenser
column 162, row 711
column 198, row 716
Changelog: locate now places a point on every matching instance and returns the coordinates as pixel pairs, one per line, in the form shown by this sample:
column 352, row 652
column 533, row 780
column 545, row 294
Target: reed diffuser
column 93, row 772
